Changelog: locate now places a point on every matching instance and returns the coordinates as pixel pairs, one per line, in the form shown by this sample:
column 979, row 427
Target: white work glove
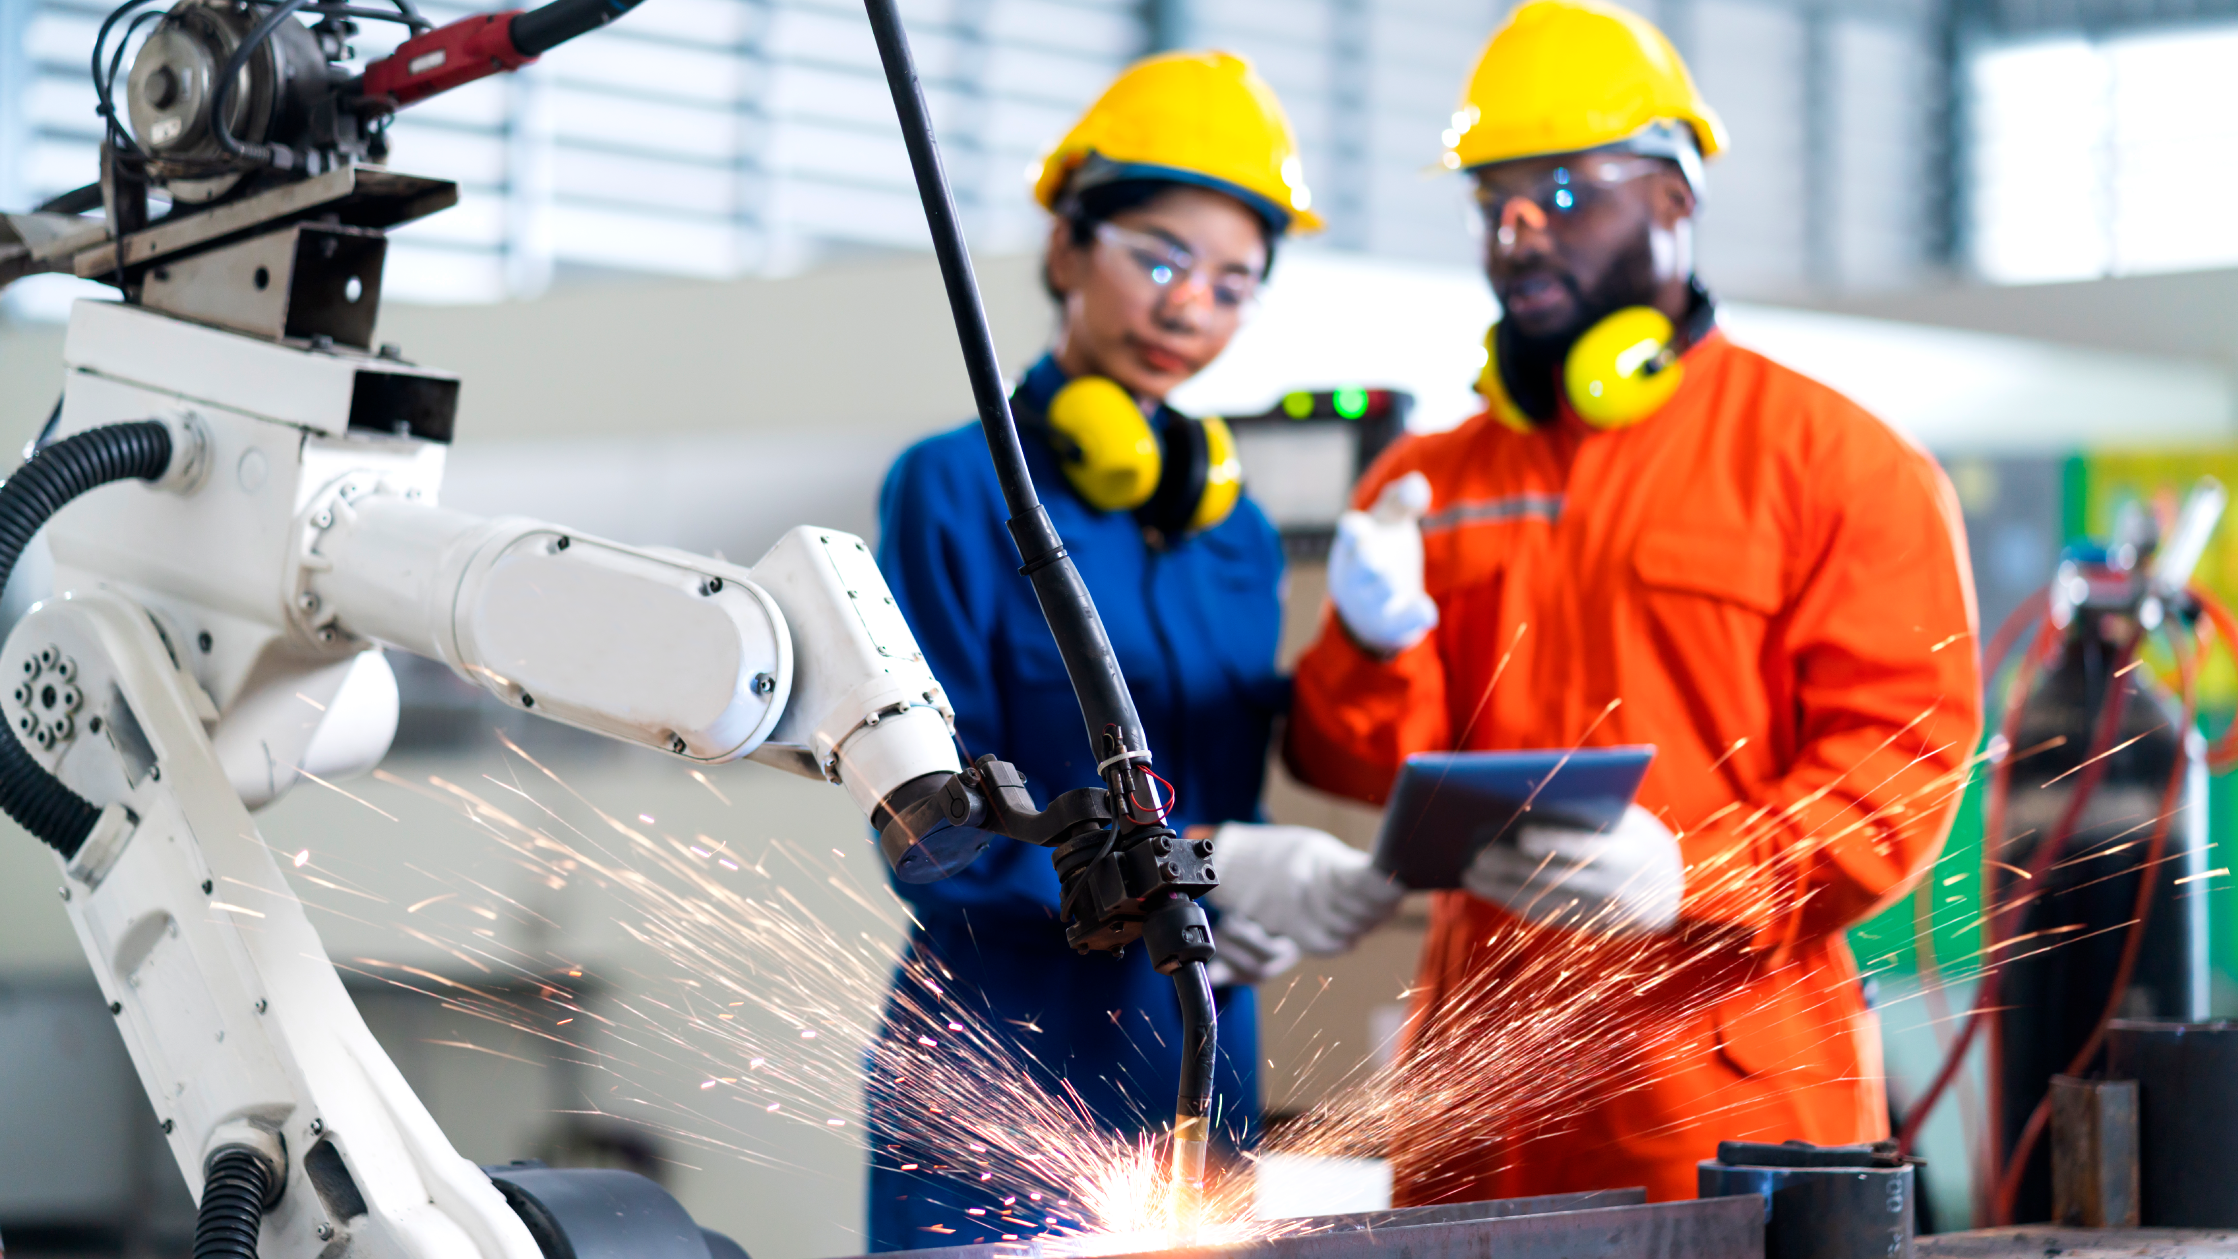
column 1248, row 953
column 1375, row 568
column 1622, row 881
column 1301, row 883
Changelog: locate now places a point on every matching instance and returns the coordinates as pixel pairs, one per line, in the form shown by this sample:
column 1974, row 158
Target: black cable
column 104, row 84
column 235, row 1183
column 1097, row 682
column 413, row 16
column 75, row 201
column 405, row 16
column 418, row 25
column 36, row 799
column 546, row 27
column 221, row 95
column 1200, row 1041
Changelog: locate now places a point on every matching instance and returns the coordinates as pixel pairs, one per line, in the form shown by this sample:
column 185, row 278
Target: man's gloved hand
column 1249, row 953
column 1302, row 883
column 1375, row 568
column 1625, row 880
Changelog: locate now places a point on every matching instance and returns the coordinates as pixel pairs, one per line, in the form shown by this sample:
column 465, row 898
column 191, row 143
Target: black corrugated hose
column 36, row 799
column 234, row 1183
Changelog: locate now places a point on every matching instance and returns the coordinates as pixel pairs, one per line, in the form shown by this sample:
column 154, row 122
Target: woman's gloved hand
column 1375, row 569
column 1248, row 953
column 1625, row 880
column 1301, row 883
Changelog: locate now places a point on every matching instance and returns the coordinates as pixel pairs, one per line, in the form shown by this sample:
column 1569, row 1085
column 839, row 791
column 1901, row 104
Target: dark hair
column 1085, row 211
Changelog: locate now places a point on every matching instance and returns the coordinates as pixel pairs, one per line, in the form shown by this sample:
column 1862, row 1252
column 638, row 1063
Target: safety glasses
column 1568, row 192
column 1173, row 270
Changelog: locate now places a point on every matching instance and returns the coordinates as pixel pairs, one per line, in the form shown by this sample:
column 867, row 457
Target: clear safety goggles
column 1175, row 271
column 1557, row 197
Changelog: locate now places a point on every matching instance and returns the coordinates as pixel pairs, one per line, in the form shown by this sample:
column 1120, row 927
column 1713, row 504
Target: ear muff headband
column 1621, row 371
column 1111, row 456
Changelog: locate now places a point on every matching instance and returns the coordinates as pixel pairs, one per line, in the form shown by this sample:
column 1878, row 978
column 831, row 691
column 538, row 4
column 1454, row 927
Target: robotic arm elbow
column 803, row 661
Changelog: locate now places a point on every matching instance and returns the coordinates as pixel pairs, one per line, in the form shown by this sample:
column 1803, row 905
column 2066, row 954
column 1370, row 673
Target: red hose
column 2093, row 769
column 2008, row 1185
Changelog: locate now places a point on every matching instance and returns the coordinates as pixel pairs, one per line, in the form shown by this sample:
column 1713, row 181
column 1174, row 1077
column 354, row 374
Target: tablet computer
column 1448, row 805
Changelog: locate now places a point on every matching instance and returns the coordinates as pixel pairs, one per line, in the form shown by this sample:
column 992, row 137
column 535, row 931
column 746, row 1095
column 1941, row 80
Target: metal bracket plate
column 357, row 196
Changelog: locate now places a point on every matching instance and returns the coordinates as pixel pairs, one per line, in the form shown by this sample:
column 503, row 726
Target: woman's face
column 1159, row 291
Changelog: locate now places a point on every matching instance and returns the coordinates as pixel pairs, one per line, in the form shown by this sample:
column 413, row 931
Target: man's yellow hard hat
column 1203, row 118
column 1568, row 75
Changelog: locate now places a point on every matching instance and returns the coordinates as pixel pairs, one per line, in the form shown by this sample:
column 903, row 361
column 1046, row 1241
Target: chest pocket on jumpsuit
column 1734, row 573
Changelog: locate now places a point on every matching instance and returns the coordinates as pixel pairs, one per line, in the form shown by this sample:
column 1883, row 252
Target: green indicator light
column 1351, row 402
column 1297, row 405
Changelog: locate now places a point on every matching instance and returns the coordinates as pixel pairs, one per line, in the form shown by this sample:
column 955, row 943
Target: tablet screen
column 1447, row 805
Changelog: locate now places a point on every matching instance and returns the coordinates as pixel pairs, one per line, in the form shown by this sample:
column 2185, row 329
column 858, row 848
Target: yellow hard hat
column 1568, row 75
column 1203, row 118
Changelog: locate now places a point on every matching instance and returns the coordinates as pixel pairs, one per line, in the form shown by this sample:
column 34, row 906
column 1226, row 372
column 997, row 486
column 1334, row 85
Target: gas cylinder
column 2060, row 938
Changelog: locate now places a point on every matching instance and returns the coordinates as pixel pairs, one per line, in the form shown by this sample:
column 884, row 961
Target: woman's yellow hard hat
column 1564, row 76
column 1203, row 118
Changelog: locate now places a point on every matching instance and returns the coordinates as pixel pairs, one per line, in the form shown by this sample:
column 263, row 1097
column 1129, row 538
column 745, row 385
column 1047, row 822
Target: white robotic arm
column 291, row 540
column 216, row 630
column 228, row 574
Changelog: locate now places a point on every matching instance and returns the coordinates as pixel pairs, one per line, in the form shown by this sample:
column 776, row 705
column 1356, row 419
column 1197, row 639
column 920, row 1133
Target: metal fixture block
column 2095, row 1179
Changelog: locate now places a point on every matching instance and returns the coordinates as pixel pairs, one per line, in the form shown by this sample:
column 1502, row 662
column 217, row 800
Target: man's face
column 1568, row 239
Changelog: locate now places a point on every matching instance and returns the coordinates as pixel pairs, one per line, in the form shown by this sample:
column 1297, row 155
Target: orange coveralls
column 1775, row 586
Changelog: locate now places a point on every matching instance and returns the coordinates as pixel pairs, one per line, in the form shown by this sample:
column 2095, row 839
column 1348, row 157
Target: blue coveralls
column 1195, row 627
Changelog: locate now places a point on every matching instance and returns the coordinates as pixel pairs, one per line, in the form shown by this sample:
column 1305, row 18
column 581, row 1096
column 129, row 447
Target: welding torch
column 1124, row 874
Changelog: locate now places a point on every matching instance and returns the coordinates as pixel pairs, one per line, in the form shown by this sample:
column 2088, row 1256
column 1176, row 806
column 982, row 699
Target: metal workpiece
column 1554, row 1226
column 1462, row 1212
column 1821, row 1202
column 2187, row 1117
column 2094, row 1164
column 2040, row 1240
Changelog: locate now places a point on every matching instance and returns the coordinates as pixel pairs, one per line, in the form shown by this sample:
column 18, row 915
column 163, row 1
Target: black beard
column 1531, row 363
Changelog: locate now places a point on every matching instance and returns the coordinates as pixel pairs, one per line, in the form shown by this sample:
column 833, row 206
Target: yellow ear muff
column 1223, row 475
column 1105, row 444
column 1495, row 390
column 1623, row 369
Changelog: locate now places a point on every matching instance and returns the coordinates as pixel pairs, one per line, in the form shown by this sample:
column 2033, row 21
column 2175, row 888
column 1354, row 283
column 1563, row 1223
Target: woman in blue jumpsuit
column 1160, row 239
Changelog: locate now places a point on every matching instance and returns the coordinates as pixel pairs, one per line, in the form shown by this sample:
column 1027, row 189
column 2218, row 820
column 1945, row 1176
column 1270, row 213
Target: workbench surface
column 2045, row 1242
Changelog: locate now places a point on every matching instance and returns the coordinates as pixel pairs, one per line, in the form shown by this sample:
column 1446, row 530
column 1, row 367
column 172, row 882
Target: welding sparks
column 1552, row 1022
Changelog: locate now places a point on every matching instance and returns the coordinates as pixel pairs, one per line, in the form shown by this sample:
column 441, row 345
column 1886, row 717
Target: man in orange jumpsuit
column 1651, row 536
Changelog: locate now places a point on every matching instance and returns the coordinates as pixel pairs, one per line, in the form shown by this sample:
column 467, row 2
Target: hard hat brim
column 1096, row 171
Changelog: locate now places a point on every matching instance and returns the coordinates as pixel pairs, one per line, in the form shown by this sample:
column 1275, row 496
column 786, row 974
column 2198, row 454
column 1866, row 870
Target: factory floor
column 2043, row 1242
